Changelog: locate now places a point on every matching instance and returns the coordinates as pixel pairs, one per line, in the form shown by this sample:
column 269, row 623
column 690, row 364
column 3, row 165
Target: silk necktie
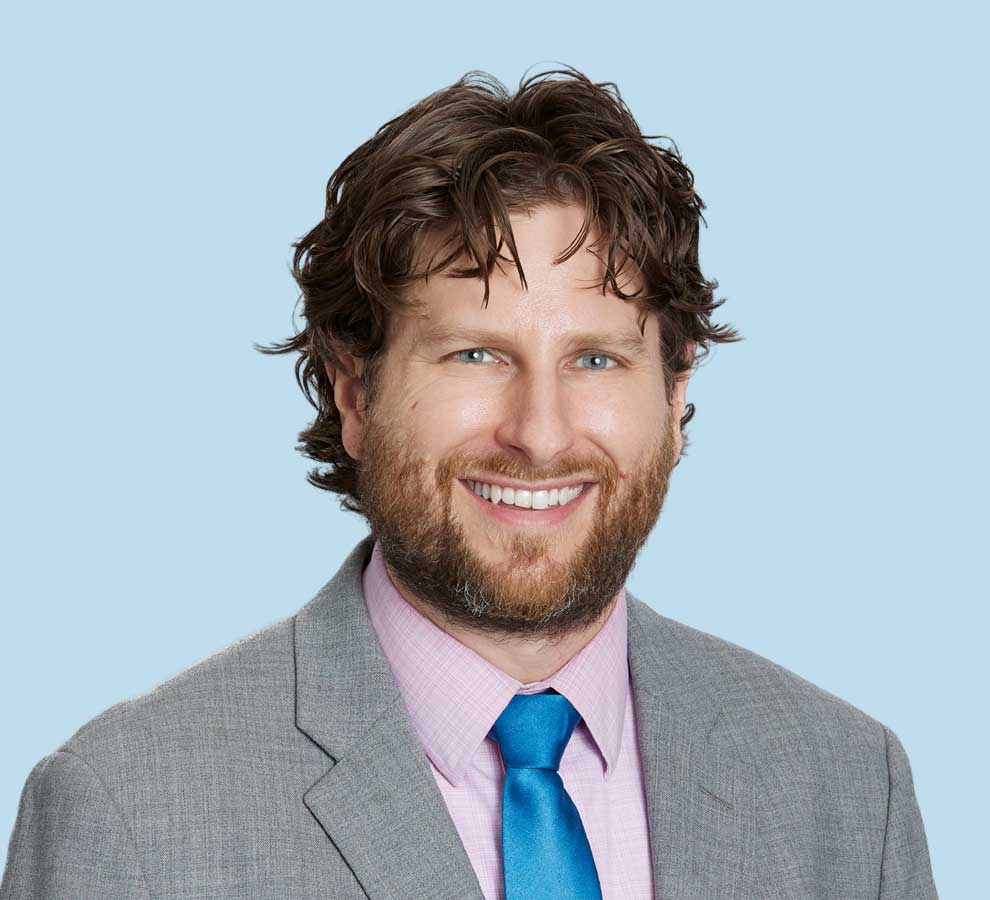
column 545, row 851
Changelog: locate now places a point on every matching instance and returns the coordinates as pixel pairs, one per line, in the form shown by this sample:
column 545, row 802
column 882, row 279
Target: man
column 503, row 307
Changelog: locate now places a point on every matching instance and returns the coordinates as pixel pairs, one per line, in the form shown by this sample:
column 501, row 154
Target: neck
column 527, row 659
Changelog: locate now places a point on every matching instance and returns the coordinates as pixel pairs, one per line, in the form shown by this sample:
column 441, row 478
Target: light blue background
column 830, row 515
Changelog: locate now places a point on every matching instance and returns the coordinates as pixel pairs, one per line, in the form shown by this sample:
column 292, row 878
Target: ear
column 679, row 400
column 349, row 398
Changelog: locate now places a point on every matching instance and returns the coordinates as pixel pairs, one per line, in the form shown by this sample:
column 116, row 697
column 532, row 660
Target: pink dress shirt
column 454, row 697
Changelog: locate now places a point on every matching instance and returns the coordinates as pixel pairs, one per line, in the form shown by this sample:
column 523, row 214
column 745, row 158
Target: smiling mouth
column 521, row 498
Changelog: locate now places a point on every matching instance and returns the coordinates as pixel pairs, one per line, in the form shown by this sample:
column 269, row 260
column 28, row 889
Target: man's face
column 553, row 401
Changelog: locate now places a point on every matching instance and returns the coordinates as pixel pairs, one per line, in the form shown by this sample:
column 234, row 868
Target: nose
column 536, row 419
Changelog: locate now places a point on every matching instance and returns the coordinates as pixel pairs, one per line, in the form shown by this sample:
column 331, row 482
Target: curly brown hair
column 455, row 165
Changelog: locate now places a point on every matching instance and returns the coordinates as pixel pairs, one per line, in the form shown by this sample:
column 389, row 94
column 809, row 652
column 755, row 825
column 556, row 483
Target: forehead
column 558, row 296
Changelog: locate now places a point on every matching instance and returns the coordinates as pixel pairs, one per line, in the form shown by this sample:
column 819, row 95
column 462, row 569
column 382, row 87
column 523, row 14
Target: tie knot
column 534, row 729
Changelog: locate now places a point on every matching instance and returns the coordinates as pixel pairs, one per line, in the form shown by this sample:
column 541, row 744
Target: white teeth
column 524, row 499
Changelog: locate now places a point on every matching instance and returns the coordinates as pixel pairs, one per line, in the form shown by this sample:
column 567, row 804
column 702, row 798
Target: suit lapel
column 701, row 797
column 378, row 803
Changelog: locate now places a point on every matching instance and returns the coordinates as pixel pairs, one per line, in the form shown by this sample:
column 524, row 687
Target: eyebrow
column 433, row 335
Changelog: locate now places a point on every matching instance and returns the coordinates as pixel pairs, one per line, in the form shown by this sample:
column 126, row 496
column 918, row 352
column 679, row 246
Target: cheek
column 625, row 421
column 469, row 413
column 441, row 420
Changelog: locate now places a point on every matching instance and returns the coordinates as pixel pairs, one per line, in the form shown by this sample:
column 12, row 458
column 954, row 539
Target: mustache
column 459, row 464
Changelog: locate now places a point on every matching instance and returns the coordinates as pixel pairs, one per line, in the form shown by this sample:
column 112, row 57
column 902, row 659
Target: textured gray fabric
column 285, row 766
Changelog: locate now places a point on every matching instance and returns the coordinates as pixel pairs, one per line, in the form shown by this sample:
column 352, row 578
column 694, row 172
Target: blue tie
column 545, row 852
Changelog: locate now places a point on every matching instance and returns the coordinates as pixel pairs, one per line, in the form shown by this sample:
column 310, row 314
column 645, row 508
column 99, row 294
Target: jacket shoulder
column 245, row 687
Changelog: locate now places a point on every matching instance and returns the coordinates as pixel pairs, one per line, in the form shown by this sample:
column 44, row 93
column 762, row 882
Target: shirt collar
column 454, row 696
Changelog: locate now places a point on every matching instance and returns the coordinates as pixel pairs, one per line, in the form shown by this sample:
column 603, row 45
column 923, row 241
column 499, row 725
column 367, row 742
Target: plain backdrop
column 158, row 161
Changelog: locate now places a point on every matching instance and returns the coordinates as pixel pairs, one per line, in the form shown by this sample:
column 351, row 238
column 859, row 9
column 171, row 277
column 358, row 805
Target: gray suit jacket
column 285, row 766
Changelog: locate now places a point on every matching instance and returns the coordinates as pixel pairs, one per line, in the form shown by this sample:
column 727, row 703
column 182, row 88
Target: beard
column 530, row 592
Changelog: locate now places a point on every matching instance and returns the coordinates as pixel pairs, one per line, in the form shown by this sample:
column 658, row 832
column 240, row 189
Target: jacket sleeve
column 69, row 840
column 906, row 871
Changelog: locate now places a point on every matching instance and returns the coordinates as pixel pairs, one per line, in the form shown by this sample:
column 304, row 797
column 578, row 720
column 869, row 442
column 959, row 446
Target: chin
column 524, row 553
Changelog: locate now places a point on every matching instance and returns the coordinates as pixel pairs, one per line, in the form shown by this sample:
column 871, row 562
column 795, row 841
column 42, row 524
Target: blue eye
column 599, row 361
column 476, row 351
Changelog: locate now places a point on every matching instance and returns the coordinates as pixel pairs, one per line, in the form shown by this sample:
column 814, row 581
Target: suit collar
column 343, row 682
column 671, row 673
column 380, row 805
